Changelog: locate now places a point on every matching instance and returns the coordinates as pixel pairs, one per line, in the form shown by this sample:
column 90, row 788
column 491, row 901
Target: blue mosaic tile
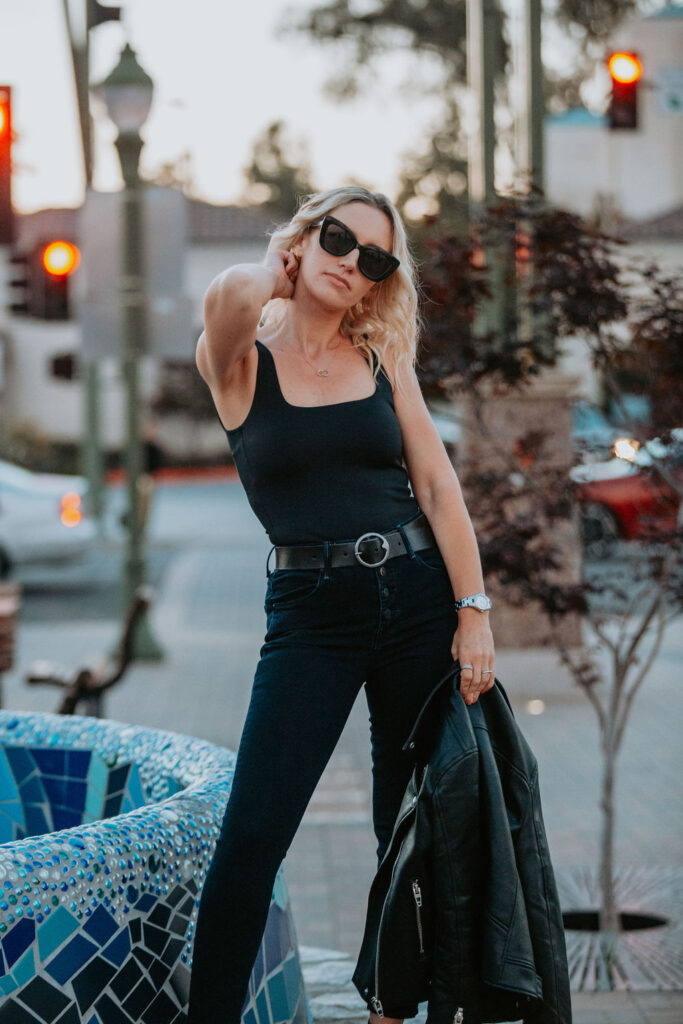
column 33, row 791
column 102, row 909
column 13, row 1013
column 262, row 1009
column 101, row 926
column 70, row 1016
column 110, row 1012
column 54, row 931
column 25, row 968
column 18, row 939
column 119, row 948
column 51, row 762
column 79, row 763
column 92, row 980
column 76, row 953
column 277, row 993
column 45, row 999
column 21, row 762
column 7, row 985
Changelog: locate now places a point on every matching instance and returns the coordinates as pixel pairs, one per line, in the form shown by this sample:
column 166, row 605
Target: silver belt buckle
column 385, row 545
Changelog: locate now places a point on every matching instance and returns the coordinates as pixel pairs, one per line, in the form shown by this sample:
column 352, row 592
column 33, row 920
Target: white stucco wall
column 55, row 407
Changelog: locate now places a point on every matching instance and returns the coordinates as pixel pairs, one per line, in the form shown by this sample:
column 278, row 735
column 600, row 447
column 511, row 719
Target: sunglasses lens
column 337, row 241
column 374, row 264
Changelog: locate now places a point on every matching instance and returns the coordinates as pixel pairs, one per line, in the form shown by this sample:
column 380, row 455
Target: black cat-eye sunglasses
column 337, row 239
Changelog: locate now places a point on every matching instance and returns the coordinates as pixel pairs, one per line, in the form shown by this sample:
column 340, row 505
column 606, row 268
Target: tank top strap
column 383, row 381
column 267, row 384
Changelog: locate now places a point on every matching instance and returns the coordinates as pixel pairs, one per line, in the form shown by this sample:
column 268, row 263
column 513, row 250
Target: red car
column 623, row 500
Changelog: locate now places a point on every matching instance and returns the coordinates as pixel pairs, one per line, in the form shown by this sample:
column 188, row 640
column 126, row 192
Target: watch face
column 482, row 602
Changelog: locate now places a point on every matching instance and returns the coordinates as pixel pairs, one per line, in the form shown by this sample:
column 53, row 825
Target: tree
column 279, row 172
column 630, row 319
column 433, row 32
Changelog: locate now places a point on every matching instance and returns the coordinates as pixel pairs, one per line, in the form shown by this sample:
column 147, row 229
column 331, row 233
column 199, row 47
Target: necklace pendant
column 323, row 373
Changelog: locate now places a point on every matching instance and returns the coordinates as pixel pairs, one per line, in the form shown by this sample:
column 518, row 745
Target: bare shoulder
column 234, row 393
column 408, row 396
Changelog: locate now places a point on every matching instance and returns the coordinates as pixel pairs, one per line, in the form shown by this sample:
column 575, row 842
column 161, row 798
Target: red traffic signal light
column 625, row 71
column 60, row 258
column 6, row 211
column 57, row 262
column 44, row 280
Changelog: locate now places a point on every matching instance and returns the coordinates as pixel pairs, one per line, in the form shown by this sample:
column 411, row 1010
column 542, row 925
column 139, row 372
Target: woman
column 326, row 450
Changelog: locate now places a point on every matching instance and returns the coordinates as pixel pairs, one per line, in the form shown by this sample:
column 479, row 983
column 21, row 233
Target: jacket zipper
column 417, row 893
column 375, row 1000
column 377, row 1005
column 459, row 1016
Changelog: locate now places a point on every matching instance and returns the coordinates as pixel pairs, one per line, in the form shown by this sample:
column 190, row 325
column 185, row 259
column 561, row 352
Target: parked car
column 621, row 500
column 43, row 517
column 593, row 433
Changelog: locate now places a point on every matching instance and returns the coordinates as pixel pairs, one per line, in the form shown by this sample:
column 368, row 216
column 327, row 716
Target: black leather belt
column 370, row 549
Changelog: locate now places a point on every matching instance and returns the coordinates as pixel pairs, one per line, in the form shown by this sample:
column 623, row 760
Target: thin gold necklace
column 321, row 373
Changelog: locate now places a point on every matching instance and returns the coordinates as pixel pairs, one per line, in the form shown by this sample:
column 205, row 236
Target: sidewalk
column 208, row 616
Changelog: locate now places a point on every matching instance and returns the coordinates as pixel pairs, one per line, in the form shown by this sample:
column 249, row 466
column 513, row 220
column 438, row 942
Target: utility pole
column 92, row 15
column 530, row 154
column 482, row 22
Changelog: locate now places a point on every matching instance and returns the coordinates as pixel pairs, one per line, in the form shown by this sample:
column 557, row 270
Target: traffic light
column 45, row 280
column 57, row 262
column 22, row 282
column 6, row 211
column 625, row 71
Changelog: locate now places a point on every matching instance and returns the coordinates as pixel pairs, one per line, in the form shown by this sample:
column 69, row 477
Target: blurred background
column 534, row 151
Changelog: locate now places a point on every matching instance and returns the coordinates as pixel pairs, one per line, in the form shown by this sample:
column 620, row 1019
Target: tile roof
column 206, row 223
column 664, row 225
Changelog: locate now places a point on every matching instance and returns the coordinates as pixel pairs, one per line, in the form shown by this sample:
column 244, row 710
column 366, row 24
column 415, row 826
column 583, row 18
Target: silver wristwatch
column 479, row 601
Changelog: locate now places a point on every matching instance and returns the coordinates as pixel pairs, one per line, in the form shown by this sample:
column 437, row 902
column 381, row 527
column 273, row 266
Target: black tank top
column 323, row 472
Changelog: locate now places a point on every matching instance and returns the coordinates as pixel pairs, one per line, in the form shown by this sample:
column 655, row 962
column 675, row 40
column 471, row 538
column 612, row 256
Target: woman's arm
column 232, row 310
column 439, row 495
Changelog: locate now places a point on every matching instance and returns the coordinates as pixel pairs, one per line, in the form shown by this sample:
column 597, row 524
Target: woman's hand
column 285, row 266
column 473, row 645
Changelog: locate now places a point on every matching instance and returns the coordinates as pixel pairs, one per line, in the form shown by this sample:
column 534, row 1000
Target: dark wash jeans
column 329, row 632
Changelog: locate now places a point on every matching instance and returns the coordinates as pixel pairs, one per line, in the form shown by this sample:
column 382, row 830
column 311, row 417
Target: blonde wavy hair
column 386, row 322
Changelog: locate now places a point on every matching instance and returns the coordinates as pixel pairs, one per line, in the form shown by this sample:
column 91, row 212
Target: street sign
column 670, row 90
column 98, row 300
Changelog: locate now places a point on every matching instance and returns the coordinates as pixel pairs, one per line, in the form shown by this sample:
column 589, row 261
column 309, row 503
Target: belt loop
column 326, row 559
column 404, row 535
column 268, row 559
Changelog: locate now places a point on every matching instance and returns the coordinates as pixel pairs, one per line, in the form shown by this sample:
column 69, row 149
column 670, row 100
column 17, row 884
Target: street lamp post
column 127, row 95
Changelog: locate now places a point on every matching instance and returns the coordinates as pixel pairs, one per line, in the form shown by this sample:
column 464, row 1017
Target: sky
column 221, row 75
column 222, row 72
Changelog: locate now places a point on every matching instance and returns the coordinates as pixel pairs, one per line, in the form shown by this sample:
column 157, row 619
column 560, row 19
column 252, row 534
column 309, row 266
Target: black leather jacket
column 463, row 911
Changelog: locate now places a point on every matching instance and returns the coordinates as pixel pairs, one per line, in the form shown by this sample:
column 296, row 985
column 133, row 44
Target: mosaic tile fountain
column 107, row 831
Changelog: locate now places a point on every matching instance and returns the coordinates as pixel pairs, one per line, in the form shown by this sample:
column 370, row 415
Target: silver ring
column 385, row 545
column 486, row 671
column 468, row 666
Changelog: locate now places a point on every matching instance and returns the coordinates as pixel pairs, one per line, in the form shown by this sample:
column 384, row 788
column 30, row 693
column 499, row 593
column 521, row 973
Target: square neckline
column 326, row 405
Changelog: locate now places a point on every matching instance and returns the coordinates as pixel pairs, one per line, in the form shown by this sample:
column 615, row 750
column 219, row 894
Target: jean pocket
column 432, row 558
column 289, row 587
